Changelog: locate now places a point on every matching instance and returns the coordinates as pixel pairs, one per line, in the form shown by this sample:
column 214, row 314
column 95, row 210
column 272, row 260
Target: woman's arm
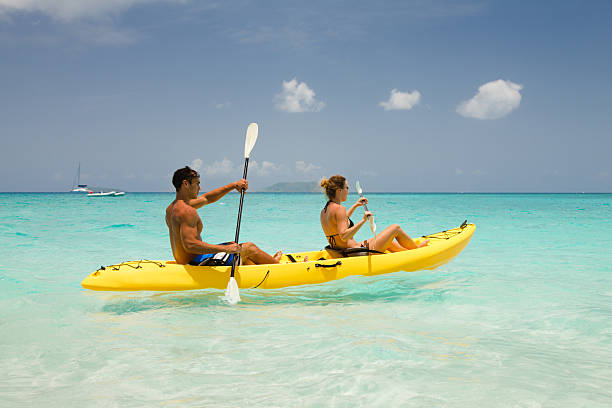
column 359, row 203
column 344, row 232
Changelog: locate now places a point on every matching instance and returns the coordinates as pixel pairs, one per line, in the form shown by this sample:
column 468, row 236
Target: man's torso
column 177, row 214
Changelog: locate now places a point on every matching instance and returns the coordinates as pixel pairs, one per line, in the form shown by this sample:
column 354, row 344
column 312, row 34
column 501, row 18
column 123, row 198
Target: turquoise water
column 522, row 318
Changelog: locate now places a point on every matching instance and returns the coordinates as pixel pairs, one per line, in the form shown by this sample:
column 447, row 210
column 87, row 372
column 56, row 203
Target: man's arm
column 216, row 194
column 193, row 245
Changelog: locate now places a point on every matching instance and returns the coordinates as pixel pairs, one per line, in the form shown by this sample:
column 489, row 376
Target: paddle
column 232, row 295
column 372, row 223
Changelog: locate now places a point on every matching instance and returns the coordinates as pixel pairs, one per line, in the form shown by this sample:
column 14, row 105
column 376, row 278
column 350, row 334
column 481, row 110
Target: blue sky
column 443, row 95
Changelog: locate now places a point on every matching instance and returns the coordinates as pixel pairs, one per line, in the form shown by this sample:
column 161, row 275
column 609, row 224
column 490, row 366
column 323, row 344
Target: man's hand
column 241, row 185
column 233, row 248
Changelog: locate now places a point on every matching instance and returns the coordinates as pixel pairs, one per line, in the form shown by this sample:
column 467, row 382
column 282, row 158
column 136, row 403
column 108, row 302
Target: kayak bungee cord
column 447, row 234
column 116, row 267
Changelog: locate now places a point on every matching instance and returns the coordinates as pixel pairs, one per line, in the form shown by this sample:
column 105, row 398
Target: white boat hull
column 109, row 194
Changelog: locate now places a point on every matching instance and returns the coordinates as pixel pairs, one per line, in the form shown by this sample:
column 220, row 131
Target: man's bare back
column 181, row 215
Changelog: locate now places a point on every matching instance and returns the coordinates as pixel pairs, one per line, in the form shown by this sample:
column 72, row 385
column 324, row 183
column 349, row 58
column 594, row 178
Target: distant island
column 293, row 187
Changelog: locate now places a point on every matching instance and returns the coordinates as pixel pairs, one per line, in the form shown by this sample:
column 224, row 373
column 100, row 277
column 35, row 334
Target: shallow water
column 522, row 318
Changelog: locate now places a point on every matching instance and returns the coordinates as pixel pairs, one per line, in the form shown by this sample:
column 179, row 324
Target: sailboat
column 79, row 188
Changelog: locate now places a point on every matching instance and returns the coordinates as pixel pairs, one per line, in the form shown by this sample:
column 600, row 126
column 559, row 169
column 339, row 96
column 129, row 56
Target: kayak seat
column 348, row 252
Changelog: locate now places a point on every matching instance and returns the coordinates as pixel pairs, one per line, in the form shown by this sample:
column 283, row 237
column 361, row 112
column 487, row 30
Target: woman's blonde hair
column 332, row 184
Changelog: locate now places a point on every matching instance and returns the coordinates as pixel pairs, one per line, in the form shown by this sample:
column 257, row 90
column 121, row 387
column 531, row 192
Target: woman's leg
column 395, row 247
column 404, row 239
column 399, row 248
column 384, row 240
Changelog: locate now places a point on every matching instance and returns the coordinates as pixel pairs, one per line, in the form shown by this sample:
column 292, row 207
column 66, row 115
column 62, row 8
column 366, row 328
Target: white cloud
column 196, row 164
column 265, row 168
column 224, row 166
column 67, row 10
column 494, row 100
column 401, row 100
column 297, row 97
column 304, row 167
column 81, row 21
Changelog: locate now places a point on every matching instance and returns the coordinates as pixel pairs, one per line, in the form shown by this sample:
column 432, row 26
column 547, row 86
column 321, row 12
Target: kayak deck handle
column 318, row 265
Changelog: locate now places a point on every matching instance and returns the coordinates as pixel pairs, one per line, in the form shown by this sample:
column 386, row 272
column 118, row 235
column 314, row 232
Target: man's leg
column 251, row 254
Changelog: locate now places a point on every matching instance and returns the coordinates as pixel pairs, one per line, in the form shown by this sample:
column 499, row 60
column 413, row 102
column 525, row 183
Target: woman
column 340, row 230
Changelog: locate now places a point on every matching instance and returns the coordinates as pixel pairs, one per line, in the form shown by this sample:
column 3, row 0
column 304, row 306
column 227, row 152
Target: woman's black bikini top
column 331, row 238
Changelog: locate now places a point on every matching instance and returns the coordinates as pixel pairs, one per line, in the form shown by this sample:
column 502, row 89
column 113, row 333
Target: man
column 185, row 225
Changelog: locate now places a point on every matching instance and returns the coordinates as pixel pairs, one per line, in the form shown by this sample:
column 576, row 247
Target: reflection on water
column 352, row 290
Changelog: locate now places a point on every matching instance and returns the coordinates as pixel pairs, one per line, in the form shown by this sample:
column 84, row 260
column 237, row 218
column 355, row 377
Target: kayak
column 321, row 266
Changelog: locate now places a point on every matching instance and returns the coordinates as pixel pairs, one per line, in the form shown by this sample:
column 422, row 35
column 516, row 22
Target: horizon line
column 351, row 193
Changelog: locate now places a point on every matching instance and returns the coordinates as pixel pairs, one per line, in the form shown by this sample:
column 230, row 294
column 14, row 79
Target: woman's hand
column 361, row 201
column 367, row 214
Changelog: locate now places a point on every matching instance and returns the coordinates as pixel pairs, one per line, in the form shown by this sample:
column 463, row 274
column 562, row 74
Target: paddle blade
column 232, row 294
column 251, row 138
column 358, row 187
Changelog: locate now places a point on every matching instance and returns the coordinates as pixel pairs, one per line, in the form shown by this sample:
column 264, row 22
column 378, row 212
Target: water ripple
column 121, row 226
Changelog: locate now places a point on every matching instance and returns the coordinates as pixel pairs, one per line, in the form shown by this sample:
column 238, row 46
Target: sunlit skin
column 335, row 221
column 185, row 226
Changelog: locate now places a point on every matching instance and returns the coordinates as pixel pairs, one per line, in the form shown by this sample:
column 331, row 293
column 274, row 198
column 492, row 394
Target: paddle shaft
column 244, row 176
column 372, row 224
column 365, row 206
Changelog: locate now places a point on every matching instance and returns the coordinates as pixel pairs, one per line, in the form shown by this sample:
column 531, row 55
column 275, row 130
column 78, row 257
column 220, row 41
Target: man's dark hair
column 186, row 173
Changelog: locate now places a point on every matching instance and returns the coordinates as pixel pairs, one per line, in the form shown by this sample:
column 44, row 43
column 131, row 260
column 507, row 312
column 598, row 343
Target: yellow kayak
column 322, row 266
